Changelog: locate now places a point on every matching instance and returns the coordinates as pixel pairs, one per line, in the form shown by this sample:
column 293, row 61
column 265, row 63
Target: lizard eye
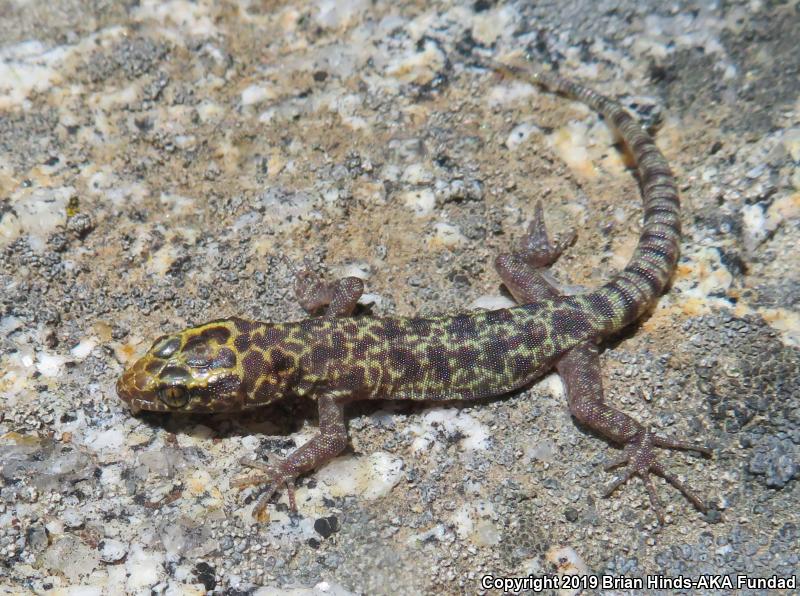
column 174, row 396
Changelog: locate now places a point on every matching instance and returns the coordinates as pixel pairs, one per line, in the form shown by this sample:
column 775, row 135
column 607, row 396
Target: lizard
column 235, row 364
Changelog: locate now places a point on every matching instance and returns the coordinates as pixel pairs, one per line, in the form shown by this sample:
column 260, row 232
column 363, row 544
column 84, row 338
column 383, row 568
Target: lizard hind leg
column 536, row 248
column 580, row 371
column 523, row 271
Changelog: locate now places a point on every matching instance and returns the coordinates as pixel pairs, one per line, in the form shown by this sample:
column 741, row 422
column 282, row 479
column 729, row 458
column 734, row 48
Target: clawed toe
column 640, row 457
column 668, row 443
column 273, row 477
column 271, row 489
column 272, row 464
column 536, row 248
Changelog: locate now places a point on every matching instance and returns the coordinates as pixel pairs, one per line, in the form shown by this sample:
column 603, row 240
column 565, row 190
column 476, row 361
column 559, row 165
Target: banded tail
column 623, row 299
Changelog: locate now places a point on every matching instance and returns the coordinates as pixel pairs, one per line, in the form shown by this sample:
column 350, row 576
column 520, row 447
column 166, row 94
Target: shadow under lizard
column 236, row 364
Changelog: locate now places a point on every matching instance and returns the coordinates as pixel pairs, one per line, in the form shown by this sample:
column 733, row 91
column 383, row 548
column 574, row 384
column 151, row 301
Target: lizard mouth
column 125, row 391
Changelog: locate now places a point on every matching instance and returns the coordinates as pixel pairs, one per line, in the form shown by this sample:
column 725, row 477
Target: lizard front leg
column 580, row 370
column 329, row 442
column 314, row 293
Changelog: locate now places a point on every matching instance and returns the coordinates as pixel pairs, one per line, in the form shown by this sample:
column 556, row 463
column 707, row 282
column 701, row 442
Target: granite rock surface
column 164, row 163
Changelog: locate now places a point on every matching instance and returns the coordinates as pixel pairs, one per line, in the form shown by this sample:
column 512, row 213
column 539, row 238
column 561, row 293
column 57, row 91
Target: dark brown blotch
column 496, row 350
column 405, row 363
column 352, row 379
column 421, row 327
column 467, row 356
column 243, row 325
column 514, row 341
column 254, row 366
column 348, row 327
column 225, row 358
column 270, row 337
column 242, row 342
column 165, row 347
column 569, row 323
column 294, row 347
column 219, row 334
column 387, row 329
column 535, row 337
column 281, row 361
column 462, row 326
column 321, row 354
column 520, row 366
column 499, row 316
column 360, row 348
column 437, row 361
column 154, row 366
column 175, row 375
column 265, row 392
column 496, row 347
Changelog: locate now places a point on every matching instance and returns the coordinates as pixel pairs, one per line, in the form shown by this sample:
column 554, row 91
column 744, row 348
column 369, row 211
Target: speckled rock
column 165, row 163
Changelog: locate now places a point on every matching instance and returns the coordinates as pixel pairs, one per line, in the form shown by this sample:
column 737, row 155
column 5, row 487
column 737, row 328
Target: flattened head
column 196, row 370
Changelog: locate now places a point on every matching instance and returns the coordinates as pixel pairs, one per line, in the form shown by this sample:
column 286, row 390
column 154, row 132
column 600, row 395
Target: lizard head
column 224, row 365
column 195, row 370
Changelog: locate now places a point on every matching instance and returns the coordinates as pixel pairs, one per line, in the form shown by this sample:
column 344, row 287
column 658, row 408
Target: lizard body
column 235, row 364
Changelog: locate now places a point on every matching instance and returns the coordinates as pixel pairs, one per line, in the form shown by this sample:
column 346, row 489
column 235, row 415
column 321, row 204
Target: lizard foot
column 274, row 476
column 640, row 457
column 338, row 298
column 536, row 248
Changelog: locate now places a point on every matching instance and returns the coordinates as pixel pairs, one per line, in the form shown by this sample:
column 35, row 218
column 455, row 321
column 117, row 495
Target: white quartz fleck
column 492, row 24
column 255, row 94
column 37, row 212
column 361, row 270
column 451, row 421
column 422, row 202
column 567, row 562
column 520, row 133
column 417, row 174
column 335, row 14
column 84, row 348
column 71, row 557
column 509, row 93
column 489, row 302
column 323, row 588
column 193, row 18
column 791, row 140
column 473, row 521
column 755, row 227
column 368, row 477
column 109, row 440
column 111, row 550
column 145, row 567
column 49, row 365
column 28, row 67
column 417, row 67
column 447, row 235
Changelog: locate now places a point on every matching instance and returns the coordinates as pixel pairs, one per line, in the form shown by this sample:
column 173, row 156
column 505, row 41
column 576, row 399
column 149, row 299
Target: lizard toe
column 640, row 456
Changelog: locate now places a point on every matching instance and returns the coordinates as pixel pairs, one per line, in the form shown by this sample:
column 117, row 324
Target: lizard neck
column 270, row 356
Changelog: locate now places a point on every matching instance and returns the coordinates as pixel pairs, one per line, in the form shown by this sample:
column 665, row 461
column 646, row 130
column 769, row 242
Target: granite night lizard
column 236, row 364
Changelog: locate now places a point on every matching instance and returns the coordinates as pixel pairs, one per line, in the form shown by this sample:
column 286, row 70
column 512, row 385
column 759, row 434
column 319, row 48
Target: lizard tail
column 623, row 299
